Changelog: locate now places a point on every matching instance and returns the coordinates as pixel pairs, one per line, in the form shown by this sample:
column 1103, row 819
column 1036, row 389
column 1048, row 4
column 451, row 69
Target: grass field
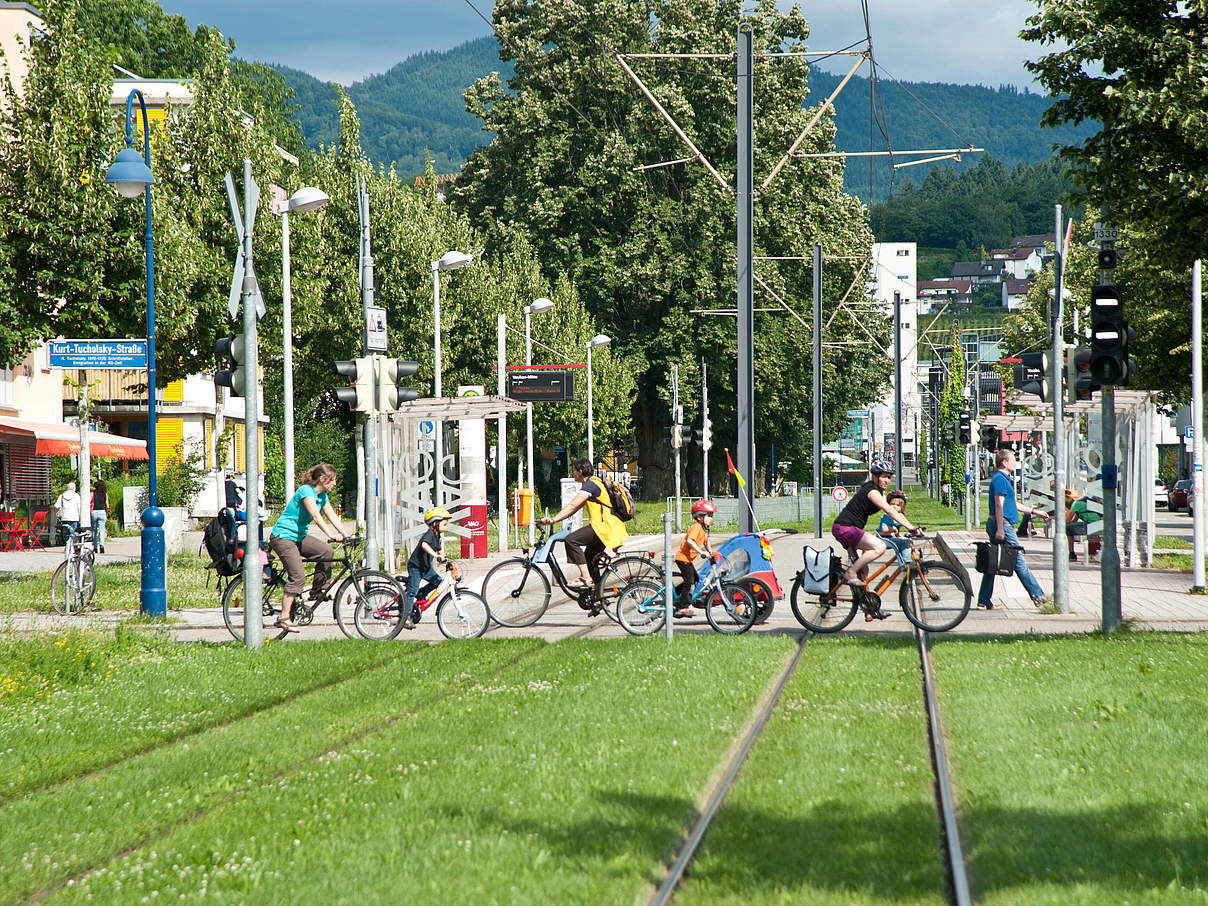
column 513, row 771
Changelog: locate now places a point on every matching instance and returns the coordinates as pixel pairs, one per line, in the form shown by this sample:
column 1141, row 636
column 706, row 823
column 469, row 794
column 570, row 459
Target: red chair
column 12, row 532
column 32, row 537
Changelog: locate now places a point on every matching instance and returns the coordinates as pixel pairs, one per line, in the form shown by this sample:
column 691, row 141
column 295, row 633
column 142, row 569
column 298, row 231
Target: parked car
column 1159, row 493
column 1180, row 495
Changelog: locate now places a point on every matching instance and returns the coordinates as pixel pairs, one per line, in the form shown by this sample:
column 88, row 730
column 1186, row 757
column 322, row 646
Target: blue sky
column 921, row 40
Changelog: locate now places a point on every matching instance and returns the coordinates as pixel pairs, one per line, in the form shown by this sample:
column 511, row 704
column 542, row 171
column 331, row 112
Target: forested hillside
column 418, row 106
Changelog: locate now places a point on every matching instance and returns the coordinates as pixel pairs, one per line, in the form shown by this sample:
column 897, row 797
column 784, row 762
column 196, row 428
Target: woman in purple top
column 848, row 527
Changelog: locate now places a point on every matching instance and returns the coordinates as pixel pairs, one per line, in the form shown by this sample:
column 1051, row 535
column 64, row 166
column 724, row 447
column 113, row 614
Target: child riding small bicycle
column 420, row 571
column 696, row 544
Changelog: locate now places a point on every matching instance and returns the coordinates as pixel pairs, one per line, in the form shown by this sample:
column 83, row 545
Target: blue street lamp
column 130, row 175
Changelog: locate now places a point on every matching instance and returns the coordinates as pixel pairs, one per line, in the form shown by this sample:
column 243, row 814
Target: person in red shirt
column 696, row 544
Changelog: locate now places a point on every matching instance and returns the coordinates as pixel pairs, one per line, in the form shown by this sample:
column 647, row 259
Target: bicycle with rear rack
column 460, row 613
column 519, row 591
column 933, row 595
column 351, row 584
column 73, row 585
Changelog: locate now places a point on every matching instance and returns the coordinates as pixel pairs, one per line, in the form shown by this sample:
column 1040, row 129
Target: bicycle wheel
column 765, row 602
column 344, row 605
column 731, row 610
column 619, row 573
column 641, row 608
column 822, row 613
column 462, row 615
column 517, row 591
column 270, row 609
column 64, row 592
column 88, row 581
column 378, row 613
column 938, row 599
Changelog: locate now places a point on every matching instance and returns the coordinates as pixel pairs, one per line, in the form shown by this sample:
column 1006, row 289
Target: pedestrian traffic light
column 1079, row 384
column 989, row 437
column 1110, row 336
column 389, row 373
column 360, row 395
column 964, row 431
column 1034, row 377
column 233, row 350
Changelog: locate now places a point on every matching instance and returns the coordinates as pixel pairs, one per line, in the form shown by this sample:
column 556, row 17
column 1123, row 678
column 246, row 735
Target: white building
column 895, row 270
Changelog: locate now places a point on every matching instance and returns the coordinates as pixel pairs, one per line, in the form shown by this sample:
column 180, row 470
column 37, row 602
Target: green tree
column 646, row 248
column 952, row 403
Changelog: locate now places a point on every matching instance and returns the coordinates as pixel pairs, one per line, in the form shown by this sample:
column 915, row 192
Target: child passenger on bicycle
column 291, row 542
column 696, row 544
column 419, row 564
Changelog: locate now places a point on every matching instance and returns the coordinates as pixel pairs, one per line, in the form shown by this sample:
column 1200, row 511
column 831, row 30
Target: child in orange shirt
column 696, row 544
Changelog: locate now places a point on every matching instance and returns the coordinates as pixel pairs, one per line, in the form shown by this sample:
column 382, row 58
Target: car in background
column 1180, row 495
column 1159, row 493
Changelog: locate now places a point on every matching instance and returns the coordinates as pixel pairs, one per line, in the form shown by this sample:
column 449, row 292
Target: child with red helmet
column 696, row 544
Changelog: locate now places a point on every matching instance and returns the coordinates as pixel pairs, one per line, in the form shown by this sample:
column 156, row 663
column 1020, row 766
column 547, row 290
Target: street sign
column 427, row 427
column 549, row 385
column 98, row 353
column 1189, row 432
column 1106, row 233
column 839, row 494
column 375, row 328
column 857, row 413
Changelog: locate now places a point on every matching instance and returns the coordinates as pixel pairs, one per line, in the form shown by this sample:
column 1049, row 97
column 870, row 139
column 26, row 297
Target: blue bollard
column 154, row 593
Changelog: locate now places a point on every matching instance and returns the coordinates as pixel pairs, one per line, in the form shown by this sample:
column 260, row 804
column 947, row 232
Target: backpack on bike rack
column 816, row 576
column 219, row 541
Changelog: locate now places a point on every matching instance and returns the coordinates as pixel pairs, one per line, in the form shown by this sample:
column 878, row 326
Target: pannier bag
column 219, row 541
column 816, row 576
column 997, row 559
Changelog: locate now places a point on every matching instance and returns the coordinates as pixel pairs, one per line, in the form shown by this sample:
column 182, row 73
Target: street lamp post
column 131, row 174
column 450, row 261
column 538, row 306
column 302, row 201
column 598, row 340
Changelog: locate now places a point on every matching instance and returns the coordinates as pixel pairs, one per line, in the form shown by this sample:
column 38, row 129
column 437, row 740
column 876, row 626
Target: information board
column 557, row 385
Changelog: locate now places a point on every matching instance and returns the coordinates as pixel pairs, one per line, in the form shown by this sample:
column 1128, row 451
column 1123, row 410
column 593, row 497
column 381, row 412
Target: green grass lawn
column 1079, row 766
column 117, row 586
column 1171, row 542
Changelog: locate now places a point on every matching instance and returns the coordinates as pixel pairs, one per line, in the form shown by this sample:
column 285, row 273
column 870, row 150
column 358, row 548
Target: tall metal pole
column 1197, row 427
column 746, row 273
column 501, row 448
column 897, row 389
column 253, row 578
column 372, row 548
column 1061, row 562
column 1109, row 560
column 677, row 416
column 591, row 445
column 704, row 420
column 287, row 347
column 817, row 414
column 439, row 496
column 528, row 414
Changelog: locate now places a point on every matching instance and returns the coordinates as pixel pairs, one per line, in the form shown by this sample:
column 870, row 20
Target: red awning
column 63, row 440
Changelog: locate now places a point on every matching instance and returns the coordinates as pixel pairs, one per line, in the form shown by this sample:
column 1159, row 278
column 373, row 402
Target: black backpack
column 219, row 542
column 620, row 500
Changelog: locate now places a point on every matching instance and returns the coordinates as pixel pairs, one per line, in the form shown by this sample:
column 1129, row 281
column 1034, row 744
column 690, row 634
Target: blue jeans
column 98, row 525
column 415, row 576
column 1021, row 566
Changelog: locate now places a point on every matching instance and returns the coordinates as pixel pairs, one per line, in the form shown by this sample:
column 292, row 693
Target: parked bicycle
column 933, row 595
column 518, row 589
column 729, row 607
column 460, row 613
column 73, row 585
column 351, row 582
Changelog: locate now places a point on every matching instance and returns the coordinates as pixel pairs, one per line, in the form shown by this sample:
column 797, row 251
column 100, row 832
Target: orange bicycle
column 933, row 595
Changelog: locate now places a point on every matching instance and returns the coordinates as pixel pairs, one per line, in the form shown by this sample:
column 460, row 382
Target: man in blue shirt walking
column 1004, row 513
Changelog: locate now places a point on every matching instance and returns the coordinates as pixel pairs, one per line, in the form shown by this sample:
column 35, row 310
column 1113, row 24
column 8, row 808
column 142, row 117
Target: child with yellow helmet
column 419, row 564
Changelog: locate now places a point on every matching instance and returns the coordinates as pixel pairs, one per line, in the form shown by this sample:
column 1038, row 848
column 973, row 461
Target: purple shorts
column 848, row 535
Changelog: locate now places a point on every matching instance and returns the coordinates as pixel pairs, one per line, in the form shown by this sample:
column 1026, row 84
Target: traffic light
column 359, row 396
column 389, row 373
column 677, row 436
column 234, row 351
column 964, row 428
column 706, row 435
column 1078, row 382
column 989, row 437
column 1110, row 336
column 1033, row 375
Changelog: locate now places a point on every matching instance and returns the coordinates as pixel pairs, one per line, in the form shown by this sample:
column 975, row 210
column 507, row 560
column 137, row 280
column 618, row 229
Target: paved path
column 1156, row 599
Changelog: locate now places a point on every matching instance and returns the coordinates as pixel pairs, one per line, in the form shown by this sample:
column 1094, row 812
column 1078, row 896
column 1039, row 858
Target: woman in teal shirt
column 291, row 542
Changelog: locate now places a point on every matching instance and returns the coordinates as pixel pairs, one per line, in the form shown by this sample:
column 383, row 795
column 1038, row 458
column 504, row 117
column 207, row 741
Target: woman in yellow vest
column 603, row 529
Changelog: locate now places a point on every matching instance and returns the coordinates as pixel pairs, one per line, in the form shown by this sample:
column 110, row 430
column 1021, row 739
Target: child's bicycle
column 729, row 607
column 349, row 584
column 933, row 595
column 460, row 613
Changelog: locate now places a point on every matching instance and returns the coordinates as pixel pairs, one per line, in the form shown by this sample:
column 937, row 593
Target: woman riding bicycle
column 604, row 530
column 291, row 542
column 848, row 527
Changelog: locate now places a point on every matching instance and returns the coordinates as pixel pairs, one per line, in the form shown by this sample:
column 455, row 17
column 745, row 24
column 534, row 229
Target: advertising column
column 472, row 450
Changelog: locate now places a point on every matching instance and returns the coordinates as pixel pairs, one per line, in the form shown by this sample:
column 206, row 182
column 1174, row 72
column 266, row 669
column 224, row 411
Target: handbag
column 997, row 559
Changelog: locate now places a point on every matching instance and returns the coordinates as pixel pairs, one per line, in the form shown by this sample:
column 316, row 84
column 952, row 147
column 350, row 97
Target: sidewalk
column 1151, row 599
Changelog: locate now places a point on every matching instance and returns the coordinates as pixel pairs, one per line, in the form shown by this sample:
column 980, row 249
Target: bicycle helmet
column 437, row 512
column 704, row 506
column 881, row 467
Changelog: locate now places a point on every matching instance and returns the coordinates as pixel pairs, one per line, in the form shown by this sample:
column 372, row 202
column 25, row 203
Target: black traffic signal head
column 1110, row 336
column 1033, row 376
column 1107, row 259
column 359, row 396
column 233, row 350
column 965, row 428
column 390, row 372
column 989, row 437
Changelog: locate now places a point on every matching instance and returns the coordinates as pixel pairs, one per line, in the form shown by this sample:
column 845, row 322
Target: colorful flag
column 734, row 471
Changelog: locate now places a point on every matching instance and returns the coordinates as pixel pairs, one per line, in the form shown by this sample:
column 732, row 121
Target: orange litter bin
column 522, row 506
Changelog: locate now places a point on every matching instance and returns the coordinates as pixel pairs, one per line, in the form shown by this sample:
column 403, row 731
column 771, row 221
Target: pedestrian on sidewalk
column 100, row 511
column 1000, row 527
column 68, row 507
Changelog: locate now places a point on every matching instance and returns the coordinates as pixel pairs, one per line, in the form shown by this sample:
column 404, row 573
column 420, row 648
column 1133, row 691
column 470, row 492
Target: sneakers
column 987, row 606
column 1044, row 601
column 684, row 613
